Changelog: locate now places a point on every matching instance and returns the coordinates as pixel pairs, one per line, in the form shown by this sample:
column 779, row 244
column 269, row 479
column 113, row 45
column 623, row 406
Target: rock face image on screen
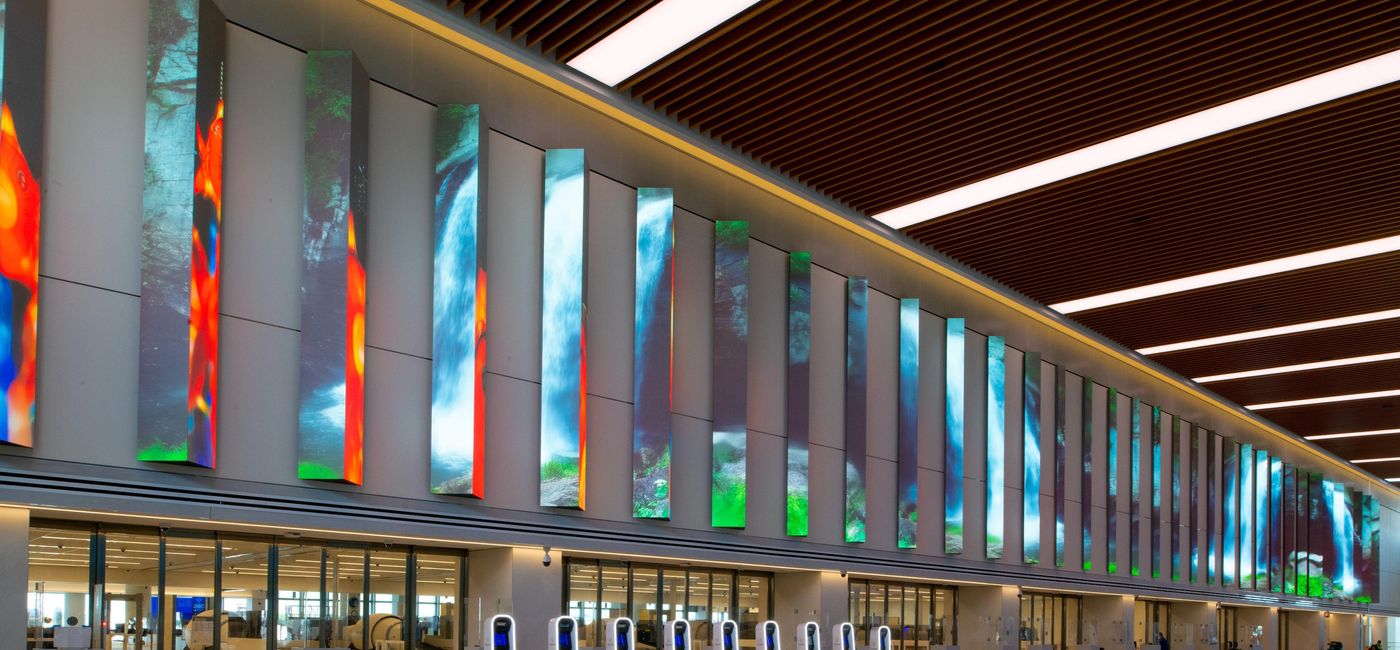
column 459, row 305
column 798, row 389
column 563, row 346
column 651, row 385
column 996, row 446
column 23, row 27
column 857, row 372
column 908, row 432
column 730, row 384
column 954, row 390
column 334, row 224
column 177, row 414
column 1030, row 454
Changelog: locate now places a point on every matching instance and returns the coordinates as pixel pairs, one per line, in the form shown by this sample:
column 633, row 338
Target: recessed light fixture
column 658, row 31
column 1246, row 272
column 1325, row 87
column 1323, row 400
column 1299, row 367
column 1363, row 461
column 1353, row 434
column 1273, row 331
column 1394, row 480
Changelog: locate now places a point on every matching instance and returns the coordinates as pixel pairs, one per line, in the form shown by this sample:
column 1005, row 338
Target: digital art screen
column 563, row 345
column 1030, row 447
column 1061, row 459
column 458, row 438
column 857, row 378
column 335, row 221
column 908, row 425
column 181, row 224
column 1229, row 516
column 1111, row 483
column 729, row 450
column 1155, row 541
column 996, row 446
column 1289, row 547
column 1212, row 494
column 1174, row 450
column 1193, row 503
column 1247, row 515
column 954, row 390
column 1086, row 475
column 799, row 337
column 652, row 351
column 1275, row 507
column 1135, row 487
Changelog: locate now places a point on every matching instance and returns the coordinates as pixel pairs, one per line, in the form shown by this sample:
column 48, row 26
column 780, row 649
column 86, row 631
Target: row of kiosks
column 621, row 634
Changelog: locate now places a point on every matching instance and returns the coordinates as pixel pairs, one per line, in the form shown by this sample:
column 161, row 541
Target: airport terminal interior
column 699, row 325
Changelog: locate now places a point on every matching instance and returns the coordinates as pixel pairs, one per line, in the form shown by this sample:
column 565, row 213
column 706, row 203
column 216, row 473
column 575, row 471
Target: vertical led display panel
column 730, row 384
column 458, row 438
column 857, row 370
column 908, row 464
column 1370, row 555
column 799, row 370
column 1276, row 524
column 1193, row 511
column 177, row 413
column 334, row 224
column 953, row 443
column 23, row 30
column 1319, row 534
column 1261, row 520
column 1155, row 543
column 1247, row 513
column 1289, row 528
column 1111, row 485
column 1060, row 460
column 1212, row 494
column 1229, row 515
column 1086, row 476
column 1175, row 451
column 1135, row 488
column 1340, row 567
column 563, row 341
column 651, row 347
column 1030, row 458
column 996, row 446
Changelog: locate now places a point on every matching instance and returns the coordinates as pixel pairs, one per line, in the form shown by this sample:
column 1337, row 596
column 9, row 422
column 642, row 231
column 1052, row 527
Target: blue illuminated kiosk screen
column 770, row 632
column 566, row 635
column 622, row 632
column 680, row 637
column 501, row 633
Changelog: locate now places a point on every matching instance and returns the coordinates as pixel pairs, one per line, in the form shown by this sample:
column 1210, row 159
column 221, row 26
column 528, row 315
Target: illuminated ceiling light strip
column 1353, row 434
column 1299, row 367
column 658, row 31
column 1324, row 400
column 1363, row 461
column 1394, row 480
column 1273, row 331
column 1236, row 274
column 1311, row 91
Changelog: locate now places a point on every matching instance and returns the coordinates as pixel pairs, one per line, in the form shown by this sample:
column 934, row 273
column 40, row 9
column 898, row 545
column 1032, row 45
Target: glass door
column 1226, row 621
column 125, row 615
column 1150, row 619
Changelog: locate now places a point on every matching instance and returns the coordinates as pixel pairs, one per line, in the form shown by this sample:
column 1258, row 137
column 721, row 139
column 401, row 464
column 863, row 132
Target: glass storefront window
column 1049, row 619
column 673, row 585
column 385, row 608
column 753, row 606
column 582, row 601
column 189, row 590
column 298, row 595
column 58, row 582
column 697, row 608
column 613, row 600
column 132, row 589
column 243, row 590
column 438, row 583
column 646, row 606
column 919, row 615
column 345, row 592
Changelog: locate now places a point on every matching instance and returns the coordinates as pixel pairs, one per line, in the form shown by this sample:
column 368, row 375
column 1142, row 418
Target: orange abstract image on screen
column 204, row 283
column 355, row 362
column 19, row 292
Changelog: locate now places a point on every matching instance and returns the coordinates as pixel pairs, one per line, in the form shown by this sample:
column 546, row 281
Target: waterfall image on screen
column 1341, row 570
column 458, row 438
column 1030, row 445
column 955, row 377
column 1370, row 556
column 857, row 370
column 1275, row 524
column 1261, row 520
column 181, row 198
column 1111, row 484
column 23, row 30
column 730, row 384
column 334, row 223
column 1135, row 488
column 563, row 342
column 1155, row 540
column 1192, row 525
column 996, row 446
column 1060, row 461
column 1247, row 513
column 1175, row 533
column 1289, row 529
column 908, row 459
column 1212, row 493
column 798, row 389
column 651, row 385
column 1086, row 476
column 1229, row 515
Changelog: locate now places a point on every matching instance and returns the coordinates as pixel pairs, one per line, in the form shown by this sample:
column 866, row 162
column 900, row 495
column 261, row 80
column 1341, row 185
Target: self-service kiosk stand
column 619, row 634
column 880, row 639
column 562, row 633
column 767, row 636
column 809, row 636
column 726, row 636
column 500, row 633
column 677, row 636
column 843, row 637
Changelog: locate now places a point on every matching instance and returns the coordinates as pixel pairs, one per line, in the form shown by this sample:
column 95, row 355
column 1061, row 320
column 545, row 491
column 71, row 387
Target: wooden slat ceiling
column 883, row 102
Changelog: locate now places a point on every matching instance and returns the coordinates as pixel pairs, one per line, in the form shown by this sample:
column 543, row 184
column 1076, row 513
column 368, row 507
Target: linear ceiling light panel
column 657, row 32
column 1299, row 367
column 1363, row 461
column 1353, row 434
column 1324, row 400
column 1314, row 90
column 1246, row 272
column 1273, row 331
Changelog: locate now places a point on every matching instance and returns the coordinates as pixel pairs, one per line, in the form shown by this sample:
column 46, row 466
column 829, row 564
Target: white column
column 14, row 576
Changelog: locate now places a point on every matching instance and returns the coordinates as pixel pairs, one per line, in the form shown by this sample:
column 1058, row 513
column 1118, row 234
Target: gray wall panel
column 693, row 340
column 767, row 340
column 258, row 402
column 828, row 387
column 882, row 388
column 612, row 236
column 514, row 219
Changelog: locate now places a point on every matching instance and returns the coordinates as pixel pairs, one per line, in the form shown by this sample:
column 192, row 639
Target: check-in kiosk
column 767, row 636
column 501, row 634
column 563, row 633
column 880, row 639
column 843, row 637
column 677, row 636
column 809, row 636
column 726, row 636
column 619, row 634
